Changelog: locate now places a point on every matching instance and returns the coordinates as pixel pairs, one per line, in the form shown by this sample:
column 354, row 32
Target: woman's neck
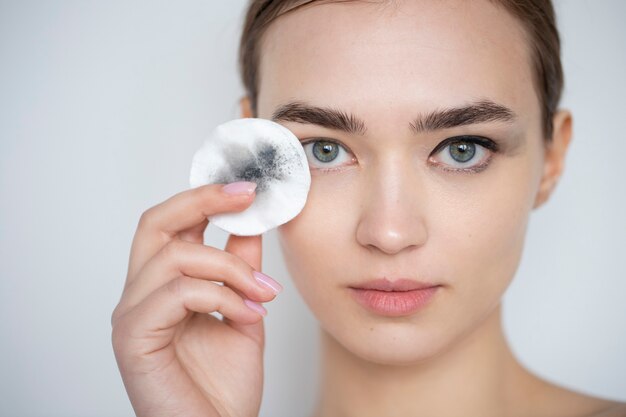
column 478, row 376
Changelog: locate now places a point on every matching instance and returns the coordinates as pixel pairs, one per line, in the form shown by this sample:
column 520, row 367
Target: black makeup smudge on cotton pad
column 262, row 166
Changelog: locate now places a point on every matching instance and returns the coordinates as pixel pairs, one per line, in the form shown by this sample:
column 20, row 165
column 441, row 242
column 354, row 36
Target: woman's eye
column 464, row 153
column 326, row 154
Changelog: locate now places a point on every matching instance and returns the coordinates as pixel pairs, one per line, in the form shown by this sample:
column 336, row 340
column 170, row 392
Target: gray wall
column 102, row 104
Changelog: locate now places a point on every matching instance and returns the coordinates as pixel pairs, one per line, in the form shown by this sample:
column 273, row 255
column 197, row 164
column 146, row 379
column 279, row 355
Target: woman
column 432, row 131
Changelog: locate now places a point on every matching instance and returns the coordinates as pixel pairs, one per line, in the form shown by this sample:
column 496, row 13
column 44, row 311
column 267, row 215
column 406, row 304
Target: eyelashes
column 327, row 154
column 465, row 154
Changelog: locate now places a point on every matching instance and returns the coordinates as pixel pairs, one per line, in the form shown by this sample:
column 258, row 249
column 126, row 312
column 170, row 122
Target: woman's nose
column 392, row 216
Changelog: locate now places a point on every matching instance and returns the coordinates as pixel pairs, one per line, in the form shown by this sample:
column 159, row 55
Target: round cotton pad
column 263, row 152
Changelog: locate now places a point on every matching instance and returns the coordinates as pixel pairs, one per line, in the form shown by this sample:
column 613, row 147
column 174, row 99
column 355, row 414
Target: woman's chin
column 390, row 344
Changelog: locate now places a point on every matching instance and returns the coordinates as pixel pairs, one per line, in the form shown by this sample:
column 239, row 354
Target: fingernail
column 240, row 187
column 256, row 307
column 267, row 281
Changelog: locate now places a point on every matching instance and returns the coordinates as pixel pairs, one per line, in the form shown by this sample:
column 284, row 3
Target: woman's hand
column 175, row 359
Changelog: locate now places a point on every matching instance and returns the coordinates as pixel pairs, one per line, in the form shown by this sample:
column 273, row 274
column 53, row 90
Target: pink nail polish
column 267, row 281
column 240, row 187
column 256, row 307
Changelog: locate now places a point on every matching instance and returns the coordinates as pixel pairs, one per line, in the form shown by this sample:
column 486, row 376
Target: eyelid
column 307, row 141
column 480, row 140
column 491, row 147
column 323, row 139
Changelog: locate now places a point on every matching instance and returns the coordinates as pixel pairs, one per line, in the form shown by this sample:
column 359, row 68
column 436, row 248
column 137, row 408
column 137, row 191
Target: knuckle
column 223, row 292
column 174, row 286
column 146, row 218
column 206, row 194
column 115, row 316
column 173, row 249
column 180, row 287
column 238, row 272
column 209, row 199
column 231, row 262
column 223, row 295
column 119, row 336
column 118, row 325
column 235, row 263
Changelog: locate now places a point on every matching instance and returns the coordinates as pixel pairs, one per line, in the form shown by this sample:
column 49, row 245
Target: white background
column 102, row 104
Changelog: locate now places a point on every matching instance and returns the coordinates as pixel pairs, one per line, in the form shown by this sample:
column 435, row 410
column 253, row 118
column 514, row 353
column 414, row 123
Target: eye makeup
column 326, row 155
column 260, row 151
column 470, row 145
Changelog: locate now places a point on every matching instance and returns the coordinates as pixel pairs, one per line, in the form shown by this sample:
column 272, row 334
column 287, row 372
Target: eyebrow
column 477, row 112
column 300, row 112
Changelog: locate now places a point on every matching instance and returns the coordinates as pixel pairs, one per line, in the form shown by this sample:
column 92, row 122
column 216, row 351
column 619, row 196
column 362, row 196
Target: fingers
column 190, row 207
column 180, row 258
column 194, row 234
column 171, row 272
column 184, row 212
column 151, row 324
column 248, row 248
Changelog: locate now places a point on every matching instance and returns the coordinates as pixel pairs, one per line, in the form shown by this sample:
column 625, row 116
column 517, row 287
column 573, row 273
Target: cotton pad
column 263, row 152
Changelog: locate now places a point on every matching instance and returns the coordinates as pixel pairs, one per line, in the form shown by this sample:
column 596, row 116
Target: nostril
column 392, row 217
column 391, row 238
column 391, row 232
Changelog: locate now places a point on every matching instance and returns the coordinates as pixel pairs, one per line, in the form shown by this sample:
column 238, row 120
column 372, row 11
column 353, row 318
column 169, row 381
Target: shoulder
column 557, row 401
column 611, row 409
column 576, row 404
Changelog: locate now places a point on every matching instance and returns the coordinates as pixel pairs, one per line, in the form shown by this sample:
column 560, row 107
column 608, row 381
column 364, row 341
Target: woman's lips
column 384, row 297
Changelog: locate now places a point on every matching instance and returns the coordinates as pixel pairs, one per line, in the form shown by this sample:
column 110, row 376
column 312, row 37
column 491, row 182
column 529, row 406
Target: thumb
column 248, row 248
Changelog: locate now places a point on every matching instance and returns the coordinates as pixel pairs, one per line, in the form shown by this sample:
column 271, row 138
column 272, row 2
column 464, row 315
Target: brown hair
column 537, row 17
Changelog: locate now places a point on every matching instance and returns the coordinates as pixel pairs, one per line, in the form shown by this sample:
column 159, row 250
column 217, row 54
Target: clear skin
column 391, row 210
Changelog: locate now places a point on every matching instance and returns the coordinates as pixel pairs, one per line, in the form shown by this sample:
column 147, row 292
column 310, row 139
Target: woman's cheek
column 316, row 244
column 476, row 229
column 483, row 232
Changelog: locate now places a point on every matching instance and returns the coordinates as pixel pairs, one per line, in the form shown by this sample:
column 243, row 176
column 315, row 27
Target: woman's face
column 385, row 201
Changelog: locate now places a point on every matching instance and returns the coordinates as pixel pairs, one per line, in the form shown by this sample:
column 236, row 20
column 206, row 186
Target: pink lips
column 393, row 298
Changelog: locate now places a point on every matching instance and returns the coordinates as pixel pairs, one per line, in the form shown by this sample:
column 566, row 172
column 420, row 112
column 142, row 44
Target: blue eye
column 465, row 153
column 326, row 154
column 462, row 151
column 325, row 151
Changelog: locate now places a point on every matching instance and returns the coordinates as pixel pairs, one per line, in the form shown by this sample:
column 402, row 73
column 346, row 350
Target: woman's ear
column 246, row 108
column 554, row 159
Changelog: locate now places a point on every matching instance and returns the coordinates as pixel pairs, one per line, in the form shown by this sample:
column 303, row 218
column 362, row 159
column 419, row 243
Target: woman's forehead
column 421, row 52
